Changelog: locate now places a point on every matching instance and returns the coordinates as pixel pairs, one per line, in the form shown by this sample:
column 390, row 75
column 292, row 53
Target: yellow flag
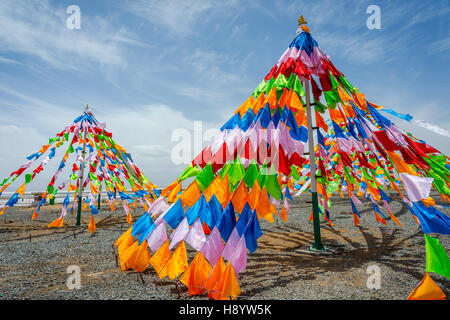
column 173, row 195
column 21, row 190
column 160, row 258
column 177, row 264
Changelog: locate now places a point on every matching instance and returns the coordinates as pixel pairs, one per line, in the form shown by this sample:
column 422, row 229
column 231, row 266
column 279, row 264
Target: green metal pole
column 317, row 246
column 81, row 177
column 99, row 198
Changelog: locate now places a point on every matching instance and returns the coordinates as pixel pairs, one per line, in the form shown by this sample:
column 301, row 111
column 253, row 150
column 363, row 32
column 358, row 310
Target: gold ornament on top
column 302, row 21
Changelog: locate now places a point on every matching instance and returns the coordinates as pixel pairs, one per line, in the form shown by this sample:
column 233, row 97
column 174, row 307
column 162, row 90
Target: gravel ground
column 34, row 259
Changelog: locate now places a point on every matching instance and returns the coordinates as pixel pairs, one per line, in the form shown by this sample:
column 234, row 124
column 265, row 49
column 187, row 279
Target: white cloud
column 39, row 29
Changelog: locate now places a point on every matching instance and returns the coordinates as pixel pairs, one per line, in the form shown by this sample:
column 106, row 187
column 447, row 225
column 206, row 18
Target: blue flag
column 227, row 222
column 244, row 219
column 431, row 220
column 252, row 233
column 216, row 209
column 175, row 215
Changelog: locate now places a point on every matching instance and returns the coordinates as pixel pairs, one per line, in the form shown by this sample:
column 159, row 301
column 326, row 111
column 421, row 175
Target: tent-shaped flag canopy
column 254, row 166
column 107, row 164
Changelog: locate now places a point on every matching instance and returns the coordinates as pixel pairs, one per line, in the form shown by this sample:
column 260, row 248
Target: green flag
column 294, row 173
column 259, row 89
column 437, row 259
column 298, row 88
column 189, row 172
column 236, row 172
column 272, row 185
column 251, row 174
column 281, row 82
column 28, row 178
column 269, row 85
column 205, row 177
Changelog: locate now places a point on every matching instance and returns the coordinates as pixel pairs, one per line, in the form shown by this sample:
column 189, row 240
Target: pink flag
column 157, row 238
column 239, row 258
column 417, row 188
column 159, row 206
column 196, row 237
column 213, row 248
column 286, row 205
column 179, row 233
column 231, row 245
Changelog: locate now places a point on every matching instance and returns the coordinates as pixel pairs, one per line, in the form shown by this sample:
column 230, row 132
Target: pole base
column 323, row 250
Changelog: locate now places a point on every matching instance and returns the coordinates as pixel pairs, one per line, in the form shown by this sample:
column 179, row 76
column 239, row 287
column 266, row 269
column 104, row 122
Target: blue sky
column 149, row 67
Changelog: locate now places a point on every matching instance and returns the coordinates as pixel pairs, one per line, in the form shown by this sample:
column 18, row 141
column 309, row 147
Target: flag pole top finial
column 302, row 21
column 302, row 25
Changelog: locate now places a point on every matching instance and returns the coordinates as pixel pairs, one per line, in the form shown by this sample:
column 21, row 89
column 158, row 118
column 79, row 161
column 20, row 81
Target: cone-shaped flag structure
column 93, row 162
column 256, row 163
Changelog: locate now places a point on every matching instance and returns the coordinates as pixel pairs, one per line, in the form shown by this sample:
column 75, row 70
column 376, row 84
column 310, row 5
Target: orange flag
column 245, row 106
column 254, row 195
column 71, row 188
column 356, row 219
column 240, row 197
column 217, row 271
column 336, row 116
column 56, row 223
column 400, row 165
column 272, row 98
column 190, row 196
column 196, row 275
column 284, row 215
column 258, row 103
column 213, row 188
column 178, row 263
column 129, row 218
column 224, row 196
column 91, row 226
column 301, row 119
column 263, row 206
column 228, row 287
column 379, row 219
column 427, row 289
column 169, row 188
column 172, row 196
column 284, row 98
column 124, row 240
column 35, row 215
column 94, row 189
column 295, row 103
column 141, row 261
column 320, row 122
column 273, row 209
column 160, row 258
column 128, row 257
